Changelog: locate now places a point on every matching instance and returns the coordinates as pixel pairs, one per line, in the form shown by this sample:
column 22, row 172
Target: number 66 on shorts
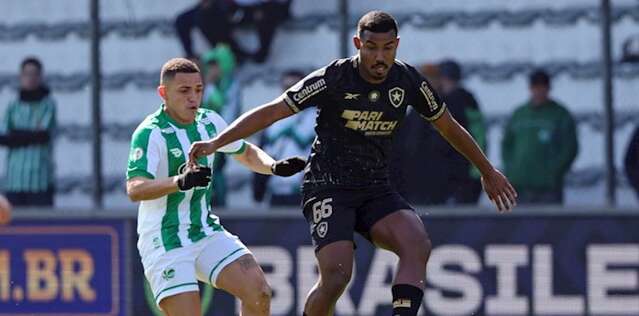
column 322, row 209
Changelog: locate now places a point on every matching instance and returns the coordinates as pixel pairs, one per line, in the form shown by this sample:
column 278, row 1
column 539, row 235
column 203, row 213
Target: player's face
column 539, row 93
column 30, row 77
column 182, row 96
column 376, row 53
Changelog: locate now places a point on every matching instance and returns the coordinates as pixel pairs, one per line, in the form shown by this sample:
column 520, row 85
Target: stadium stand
column 498, row 44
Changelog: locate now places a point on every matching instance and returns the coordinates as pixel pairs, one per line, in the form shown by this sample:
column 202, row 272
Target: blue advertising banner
column 62, row 267
column 488, row 265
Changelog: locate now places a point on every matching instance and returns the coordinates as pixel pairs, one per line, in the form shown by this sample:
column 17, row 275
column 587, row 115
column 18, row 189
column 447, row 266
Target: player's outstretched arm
column 257, row 160
column 244, row 126
column 497, row 187
column 141, row 188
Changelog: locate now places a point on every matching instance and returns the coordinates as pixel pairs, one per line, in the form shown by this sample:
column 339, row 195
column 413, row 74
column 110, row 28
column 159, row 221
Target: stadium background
column 497, row 41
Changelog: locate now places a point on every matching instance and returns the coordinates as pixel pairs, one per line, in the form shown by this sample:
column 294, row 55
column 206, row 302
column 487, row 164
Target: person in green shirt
column 27, row 129
column 539, row 145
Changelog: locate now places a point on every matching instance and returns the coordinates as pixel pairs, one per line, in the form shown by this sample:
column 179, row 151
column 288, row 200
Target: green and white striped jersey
column 159, row 149
column 30, row 168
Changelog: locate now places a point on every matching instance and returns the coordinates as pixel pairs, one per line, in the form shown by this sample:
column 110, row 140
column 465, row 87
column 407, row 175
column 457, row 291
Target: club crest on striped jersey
column 177, row 153
column 137, row 154
column 205, row 120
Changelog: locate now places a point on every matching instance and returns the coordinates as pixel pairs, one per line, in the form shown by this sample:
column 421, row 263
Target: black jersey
column 356, row 120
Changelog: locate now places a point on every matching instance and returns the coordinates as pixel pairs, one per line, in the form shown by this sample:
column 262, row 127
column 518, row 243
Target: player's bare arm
column 255, row 159
column 142, row 189
column 497, row 187
column 258, row 161
column 244, row 126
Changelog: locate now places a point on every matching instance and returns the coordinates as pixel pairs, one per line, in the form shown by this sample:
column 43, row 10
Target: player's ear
column 162, row 91
column 357, row 42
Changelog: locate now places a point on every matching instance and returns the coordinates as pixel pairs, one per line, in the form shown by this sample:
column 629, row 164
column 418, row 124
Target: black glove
column 199, row 177
column 288, row 167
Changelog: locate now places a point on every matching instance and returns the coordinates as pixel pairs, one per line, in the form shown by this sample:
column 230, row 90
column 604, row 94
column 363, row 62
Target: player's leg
column 331, row 216
column 245, row 280
column 335, row 266
column 173, row 281
column 391, row 224
column 186, row 304
column 227, row 264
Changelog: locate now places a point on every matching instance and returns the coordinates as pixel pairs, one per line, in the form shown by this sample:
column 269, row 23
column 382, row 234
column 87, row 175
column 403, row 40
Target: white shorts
column 178, row 270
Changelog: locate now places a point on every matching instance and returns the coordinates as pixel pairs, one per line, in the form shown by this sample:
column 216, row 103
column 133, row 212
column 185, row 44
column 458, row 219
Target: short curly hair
column 376, row 22
column 177, row 65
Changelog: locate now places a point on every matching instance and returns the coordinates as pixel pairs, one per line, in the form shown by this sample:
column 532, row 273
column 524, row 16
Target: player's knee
column 418, row 246
column 258, row 299
column 336, row 278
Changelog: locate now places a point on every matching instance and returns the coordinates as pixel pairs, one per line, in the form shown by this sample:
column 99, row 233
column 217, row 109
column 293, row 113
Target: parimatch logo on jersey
column 369, row 122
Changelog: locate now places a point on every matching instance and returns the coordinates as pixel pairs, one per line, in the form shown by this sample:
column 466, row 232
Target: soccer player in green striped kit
column 180, row 241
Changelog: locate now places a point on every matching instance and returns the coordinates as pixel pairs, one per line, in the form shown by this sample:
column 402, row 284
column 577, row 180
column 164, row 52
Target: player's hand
column 194, row 177
column 5, row 211
column 499, row 190
column 199, row 149
column 288, row 167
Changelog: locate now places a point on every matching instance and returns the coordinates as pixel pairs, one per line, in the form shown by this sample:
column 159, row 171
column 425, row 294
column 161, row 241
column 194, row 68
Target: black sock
column 406, row 299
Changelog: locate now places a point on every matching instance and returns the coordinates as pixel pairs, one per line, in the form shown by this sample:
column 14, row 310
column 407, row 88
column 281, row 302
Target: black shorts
column 335, row 214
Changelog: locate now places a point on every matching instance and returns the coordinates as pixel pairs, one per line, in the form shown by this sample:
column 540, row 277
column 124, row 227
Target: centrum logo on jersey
column 176, row 152
column 168, row 274
column 309, row 91
column 369, row 122
column 428, row 95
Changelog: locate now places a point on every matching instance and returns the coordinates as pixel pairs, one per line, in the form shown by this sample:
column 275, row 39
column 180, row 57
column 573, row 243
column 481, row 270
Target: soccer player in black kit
column 360, row 102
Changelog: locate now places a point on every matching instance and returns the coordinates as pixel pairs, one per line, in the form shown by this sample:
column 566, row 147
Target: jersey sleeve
column 427, row 102
column 145, row 153
column 308, row 91
column 236, row 147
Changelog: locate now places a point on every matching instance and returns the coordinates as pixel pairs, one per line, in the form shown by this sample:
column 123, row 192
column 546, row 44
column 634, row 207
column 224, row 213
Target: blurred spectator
column 462, row 182
column 216, row 19
column 631, row 50
column 415, row 139
column 27, row 127
column 5, row 210
column 266, row 16
column 539, row 145
column 222, row 95
column 213, row 19
column 450, row 177
column 222, row 90
column 631, row 161
column 290, row 137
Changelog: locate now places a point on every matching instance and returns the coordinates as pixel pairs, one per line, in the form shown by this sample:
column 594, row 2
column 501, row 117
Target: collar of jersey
column 174, row 122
